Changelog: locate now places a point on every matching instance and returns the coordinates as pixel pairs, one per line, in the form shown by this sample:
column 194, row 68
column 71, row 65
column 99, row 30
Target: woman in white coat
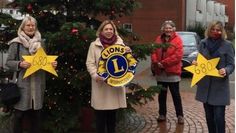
column 105, row 100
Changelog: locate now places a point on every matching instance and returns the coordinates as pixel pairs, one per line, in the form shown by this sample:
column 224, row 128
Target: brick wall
column 147, row 20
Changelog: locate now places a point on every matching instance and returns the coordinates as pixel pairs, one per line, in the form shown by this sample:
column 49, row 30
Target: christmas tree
column 68, row 27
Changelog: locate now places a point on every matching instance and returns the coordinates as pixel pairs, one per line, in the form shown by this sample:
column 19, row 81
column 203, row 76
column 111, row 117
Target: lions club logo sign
column 116, row 66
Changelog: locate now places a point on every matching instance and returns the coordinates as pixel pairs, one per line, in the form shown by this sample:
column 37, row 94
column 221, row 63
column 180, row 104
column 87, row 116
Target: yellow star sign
column 204, row 67
column 40, row 61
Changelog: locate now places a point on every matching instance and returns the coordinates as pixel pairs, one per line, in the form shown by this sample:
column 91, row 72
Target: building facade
column 147, row 20
column 230, row 11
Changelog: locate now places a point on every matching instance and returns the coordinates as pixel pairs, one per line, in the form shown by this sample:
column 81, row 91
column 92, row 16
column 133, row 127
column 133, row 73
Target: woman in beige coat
column 104, row 99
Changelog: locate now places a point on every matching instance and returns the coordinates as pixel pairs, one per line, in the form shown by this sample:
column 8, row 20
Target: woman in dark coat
column 214, row 92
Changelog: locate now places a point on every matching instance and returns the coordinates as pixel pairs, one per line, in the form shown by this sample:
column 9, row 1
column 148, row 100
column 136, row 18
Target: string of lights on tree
column 68, row 27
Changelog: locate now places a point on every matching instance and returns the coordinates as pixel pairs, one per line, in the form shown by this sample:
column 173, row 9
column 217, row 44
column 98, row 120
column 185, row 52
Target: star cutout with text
column 204, row 67
column 40, row 61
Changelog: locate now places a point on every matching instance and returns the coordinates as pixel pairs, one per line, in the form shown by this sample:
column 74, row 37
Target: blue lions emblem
column 116, row 66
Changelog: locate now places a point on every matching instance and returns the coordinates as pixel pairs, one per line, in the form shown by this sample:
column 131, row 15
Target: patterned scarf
column 106, row 42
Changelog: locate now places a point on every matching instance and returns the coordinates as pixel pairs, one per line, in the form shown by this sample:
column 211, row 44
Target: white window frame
column 128, row 27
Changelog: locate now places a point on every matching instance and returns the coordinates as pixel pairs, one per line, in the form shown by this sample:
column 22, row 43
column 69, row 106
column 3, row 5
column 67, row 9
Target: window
column 127, row 27
column 11, row 11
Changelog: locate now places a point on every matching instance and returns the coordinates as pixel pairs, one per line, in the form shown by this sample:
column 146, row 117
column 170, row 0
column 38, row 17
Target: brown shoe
column 180, row 120
column 161, row 118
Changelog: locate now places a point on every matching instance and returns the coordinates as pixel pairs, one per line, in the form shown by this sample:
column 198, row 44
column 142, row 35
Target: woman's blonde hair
column 213, row 24
column 104, row 23
column 26, row 19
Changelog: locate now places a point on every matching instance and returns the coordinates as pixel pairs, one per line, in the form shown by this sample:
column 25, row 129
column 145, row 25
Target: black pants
column 105, row 121
column 215, row 117
column 174, row 89
column 34, row 118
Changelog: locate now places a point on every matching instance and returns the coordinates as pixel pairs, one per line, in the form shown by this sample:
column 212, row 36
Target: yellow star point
column 40, row 61
column 204, row 67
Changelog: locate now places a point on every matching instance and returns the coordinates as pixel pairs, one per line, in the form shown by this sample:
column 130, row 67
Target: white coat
column 103, row 97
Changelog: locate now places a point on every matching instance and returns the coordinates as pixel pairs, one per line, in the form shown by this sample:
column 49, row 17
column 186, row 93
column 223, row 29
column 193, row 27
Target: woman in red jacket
column 167, row 68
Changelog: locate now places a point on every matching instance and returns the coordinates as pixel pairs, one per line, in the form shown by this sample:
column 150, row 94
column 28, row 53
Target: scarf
column 107, row 41
column 165, row 38
column 31, row 43
column 213, row 45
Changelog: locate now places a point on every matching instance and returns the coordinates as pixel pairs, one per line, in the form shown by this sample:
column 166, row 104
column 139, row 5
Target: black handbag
column 10, row 92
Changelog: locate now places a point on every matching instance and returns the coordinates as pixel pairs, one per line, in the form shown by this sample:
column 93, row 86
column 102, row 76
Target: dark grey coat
column 215, row 90
column 32, row 87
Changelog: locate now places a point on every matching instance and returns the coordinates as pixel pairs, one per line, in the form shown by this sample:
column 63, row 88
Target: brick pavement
column 145, row 120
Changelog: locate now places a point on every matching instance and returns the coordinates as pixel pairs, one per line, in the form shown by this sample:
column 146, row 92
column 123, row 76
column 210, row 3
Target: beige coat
column 103, row 97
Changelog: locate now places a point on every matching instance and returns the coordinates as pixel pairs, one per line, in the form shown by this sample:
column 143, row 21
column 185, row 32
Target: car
column 190, row 44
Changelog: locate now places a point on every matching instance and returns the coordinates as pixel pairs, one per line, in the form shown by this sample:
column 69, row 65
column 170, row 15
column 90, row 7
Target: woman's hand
column 98, row 79
column 160, row 65
column 24, row 64
column 128, row 49
column 194, row 62
column 157, row 65
column 222, row 72
column 54, row 64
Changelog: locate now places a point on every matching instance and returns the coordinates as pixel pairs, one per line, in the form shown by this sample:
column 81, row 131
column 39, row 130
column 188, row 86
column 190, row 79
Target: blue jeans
column 215, row 117
column 174, row 89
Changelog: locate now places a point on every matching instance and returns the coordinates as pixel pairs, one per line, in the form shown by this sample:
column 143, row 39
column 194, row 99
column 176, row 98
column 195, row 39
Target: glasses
column 168, row 21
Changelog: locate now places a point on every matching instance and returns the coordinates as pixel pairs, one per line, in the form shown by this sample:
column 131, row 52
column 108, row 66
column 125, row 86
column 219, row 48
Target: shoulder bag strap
column 16, row 74
column 18, row 58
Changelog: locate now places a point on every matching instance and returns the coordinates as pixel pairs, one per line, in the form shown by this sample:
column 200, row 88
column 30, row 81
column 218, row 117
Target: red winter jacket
column 170, row 58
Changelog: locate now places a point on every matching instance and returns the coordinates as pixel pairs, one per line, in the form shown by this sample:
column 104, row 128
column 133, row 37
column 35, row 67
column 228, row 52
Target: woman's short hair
column 168, row 22
column 213, row 24
column 27, row 18
column 104, row 23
